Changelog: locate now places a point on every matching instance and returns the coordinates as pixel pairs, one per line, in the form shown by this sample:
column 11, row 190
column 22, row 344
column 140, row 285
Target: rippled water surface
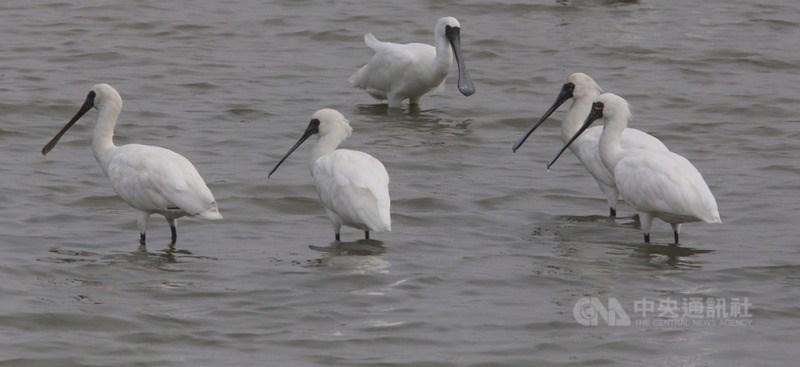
column 489, row 251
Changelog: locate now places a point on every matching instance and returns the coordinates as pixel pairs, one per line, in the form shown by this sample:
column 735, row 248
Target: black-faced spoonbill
column 151, row 179
column 658, row 184
column 353, row 186
column 398, row 72
column 583, row 90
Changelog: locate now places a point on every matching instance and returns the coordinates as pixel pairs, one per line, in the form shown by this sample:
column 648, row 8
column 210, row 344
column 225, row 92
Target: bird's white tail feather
column 371, row 41
column 212, row 214
column 357, row 79
column 714, row 218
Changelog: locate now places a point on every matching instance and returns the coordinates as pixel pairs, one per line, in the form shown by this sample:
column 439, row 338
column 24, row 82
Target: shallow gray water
column 490, row 252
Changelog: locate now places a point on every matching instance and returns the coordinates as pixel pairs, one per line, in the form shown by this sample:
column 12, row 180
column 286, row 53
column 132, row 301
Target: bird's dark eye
column 570, row 86
column 598, row 106
column 448, row 29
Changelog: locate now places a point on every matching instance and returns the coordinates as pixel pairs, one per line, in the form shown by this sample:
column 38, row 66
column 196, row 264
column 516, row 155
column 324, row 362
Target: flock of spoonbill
column 354, row 186
column 584, row 90
column 657, row 183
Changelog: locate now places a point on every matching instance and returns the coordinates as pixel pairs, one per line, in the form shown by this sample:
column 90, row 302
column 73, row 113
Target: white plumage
column 353, row 186
column 151, row 179
column 584, row 90
column 398, row 72
column 658, row 184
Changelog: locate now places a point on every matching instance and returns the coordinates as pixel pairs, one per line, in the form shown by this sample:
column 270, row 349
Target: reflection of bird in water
column 359, row 257
column 670, row 257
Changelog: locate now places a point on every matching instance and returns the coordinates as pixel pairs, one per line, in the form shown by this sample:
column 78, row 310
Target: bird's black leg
column 676, row 228
column 141, row 221
column 647, row 238
column 613, row 212
column 174, row 229
column 338, row 237
column 366, row 235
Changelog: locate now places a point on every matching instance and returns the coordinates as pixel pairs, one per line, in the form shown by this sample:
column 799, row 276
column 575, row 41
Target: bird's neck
column 325, row 145
column 610, row 148
column 103, row 139
column 576, row 115
column 444, row 55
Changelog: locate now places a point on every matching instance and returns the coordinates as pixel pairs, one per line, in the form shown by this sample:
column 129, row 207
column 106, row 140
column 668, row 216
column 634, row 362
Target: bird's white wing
column 586, row 148
column 664, row 182
column 389, row 65
column 355, row 186
column 380, row 47
column 637, row 139
column 439, row 88
column 154, row 178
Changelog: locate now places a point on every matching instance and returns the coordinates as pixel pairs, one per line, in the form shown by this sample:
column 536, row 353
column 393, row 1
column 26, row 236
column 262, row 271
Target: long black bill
column 313, row 128
column 464, row 83
column 597, row 112
column 563, row 96
column 87, row 105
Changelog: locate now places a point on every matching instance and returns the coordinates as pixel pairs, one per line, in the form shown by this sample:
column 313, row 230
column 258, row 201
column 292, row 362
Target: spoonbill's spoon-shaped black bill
column 465, row 85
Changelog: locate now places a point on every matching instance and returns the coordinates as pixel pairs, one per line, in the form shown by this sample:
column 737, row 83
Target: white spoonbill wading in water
column 353, row 186
column 398, row 72
column 658, row 184
column 583, row 90
column 151, row 179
